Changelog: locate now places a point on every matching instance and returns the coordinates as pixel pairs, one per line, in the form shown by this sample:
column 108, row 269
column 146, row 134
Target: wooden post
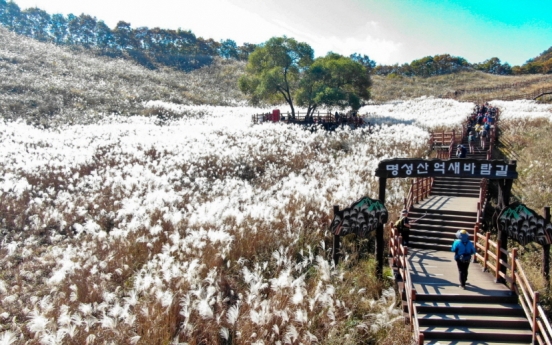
column 395, row 250
column 506, row 187
column 514, row 256
column 421, row 339
column 497, row 276
column 379, row 231
column 475, row 231
column 486, row 254
column 534, row 326
column 414, row 187
column 336, row 241
column 546, row 252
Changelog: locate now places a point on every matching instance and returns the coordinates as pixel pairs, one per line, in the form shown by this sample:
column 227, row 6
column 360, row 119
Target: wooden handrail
column 420, row 189
column 326, row 118
column 444, row 143
column 517, row 281
column 399, row 257
column 483, row 187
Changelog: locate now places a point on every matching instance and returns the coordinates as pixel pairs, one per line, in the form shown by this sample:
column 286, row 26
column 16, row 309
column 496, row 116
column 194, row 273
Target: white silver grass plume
column 233, row 313
column 7, row 338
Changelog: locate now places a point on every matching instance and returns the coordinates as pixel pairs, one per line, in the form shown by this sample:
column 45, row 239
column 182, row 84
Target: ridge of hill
column 475, row 86
column 44, row 83
column 48, row 84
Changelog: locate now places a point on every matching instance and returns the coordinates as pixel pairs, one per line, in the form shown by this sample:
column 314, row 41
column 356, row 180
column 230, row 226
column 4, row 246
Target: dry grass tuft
column 529, row 142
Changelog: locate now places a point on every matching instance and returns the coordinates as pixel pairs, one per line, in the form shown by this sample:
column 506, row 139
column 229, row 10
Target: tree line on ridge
column 181, row 49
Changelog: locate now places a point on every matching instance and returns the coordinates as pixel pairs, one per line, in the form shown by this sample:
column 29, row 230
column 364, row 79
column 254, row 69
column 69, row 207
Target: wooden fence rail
column 420, row 188
column 316, row 118
column 399, row 254
column 443, row 143
column 488, row 253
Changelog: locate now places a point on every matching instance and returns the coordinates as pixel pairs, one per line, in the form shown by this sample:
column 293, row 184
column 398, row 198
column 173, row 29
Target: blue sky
column 389, row 31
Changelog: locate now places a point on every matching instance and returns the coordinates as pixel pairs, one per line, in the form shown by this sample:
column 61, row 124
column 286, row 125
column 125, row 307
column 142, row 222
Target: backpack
column 484, row 133
column 470, row 137
column 465, row 258
column 399, row 224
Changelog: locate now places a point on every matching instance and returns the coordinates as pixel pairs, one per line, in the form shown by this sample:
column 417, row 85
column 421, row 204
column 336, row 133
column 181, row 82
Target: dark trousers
column 463, row 271
column 405, row 233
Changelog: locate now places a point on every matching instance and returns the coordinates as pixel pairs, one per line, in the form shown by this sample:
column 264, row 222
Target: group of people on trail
column 350, row 117
column 478, row 127
column 462, row 247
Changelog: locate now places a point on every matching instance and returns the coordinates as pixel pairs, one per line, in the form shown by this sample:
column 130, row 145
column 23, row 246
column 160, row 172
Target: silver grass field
column 181, row 223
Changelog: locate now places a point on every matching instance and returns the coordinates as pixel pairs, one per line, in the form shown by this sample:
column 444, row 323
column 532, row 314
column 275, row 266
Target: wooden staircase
column 469, row 319
column 437, row 230
column 486, row 312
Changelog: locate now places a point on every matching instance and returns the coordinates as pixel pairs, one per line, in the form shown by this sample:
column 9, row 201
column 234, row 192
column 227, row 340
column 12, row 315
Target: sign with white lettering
column 460, row 167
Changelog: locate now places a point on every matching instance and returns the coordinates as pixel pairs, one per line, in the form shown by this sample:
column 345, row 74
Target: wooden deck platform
column 435, row 273
column 448, row 203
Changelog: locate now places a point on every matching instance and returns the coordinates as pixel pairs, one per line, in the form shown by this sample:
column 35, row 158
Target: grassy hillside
column 47, row 84
column 525, row 137
column 44, row 83
column 391, row 88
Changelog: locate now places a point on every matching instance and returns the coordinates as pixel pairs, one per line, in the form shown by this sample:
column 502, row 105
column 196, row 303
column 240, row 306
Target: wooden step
column 424, row 235
column 439, row 231
column 463, row 320
column 509, row 309
column 457, row 187
column 416, row 210
column 447, row 222
column 445, row 192
column 415, row 238
column 467, row 342
column 425, row 245
column 449, row 177
column 456, row 183
column 477, row 333
column 480, row 300
column 434, row 232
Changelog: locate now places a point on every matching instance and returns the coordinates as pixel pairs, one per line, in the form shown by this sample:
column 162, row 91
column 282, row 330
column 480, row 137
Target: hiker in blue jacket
column 463, row 250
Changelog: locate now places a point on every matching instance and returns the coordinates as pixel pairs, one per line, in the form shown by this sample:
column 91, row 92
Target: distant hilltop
column 181, row 49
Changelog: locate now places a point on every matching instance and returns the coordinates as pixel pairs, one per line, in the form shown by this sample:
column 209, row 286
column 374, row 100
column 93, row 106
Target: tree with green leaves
column 10, row 15
column 334, row 81
column 228, row 49
column 274, row 70
column 364, row 60
column 494, row 66
column 284, row 70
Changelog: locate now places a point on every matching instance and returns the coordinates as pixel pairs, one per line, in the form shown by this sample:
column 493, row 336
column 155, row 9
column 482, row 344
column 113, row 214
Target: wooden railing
column 530, row 95
column 483, row 188
column 440, row 139
column 489, row 255
column 420, row 189
column 444, row 143
column 317, row 118
column 399, row 254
